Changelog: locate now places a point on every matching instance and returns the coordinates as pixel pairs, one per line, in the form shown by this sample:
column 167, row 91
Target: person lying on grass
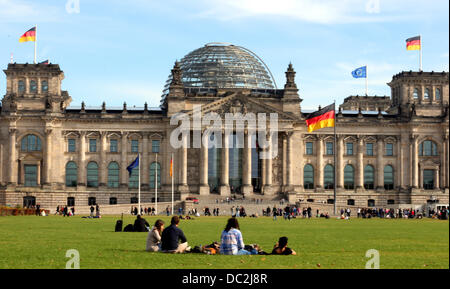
column 170, row 237
column 232, row 242
column 154, row 237
column 281, row 248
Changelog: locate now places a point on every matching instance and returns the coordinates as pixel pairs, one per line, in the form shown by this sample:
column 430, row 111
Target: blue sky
column 118, row 51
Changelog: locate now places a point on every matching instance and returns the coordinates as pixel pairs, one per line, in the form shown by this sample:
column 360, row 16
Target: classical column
column 400, row 173
column 145, row 161
column 444, row 160
column 360, row 165
column 124, row 160
column 415, row 162
column 12, row 157
column 103, row 168
column 289, row 159
column 183, row 162
column 204, row 187
column 379, row 162
column 82, row 160
column 225, row 166
column 301, row 152
column 269, row 162
column 319, row 164
column 436, row 179
column 48, row 157
column 340, row 162
column 247, row 187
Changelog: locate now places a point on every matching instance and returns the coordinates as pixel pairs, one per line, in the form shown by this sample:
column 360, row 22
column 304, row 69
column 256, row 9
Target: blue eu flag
column 360, row 72
column 133, row 165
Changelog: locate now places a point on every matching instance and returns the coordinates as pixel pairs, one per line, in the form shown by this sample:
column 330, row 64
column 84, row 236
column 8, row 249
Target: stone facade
column 54, row 154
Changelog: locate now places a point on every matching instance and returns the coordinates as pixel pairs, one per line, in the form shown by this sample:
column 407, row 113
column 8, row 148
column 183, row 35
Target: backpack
column 128, row 228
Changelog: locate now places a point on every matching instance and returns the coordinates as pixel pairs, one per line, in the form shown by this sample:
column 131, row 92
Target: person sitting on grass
column 154, row 237
column 140, row 224
column 232, row 242
column 281, row 248
column 170, row 237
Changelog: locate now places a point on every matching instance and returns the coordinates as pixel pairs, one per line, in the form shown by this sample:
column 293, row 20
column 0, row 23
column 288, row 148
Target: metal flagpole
column 35, row 44
column 334, row 153
column 420, row 52
column 172, row 183
column 139, row 184
column 367, row 85
column 156, row 185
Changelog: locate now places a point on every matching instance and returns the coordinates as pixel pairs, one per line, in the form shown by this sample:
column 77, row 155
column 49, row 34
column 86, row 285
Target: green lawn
column 42, row 242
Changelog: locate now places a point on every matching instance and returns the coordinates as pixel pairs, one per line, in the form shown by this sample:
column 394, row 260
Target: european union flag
column 133, row 165
column 360, row 72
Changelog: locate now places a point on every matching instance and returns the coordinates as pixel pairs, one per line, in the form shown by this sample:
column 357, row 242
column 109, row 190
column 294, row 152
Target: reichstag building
column 389, row 150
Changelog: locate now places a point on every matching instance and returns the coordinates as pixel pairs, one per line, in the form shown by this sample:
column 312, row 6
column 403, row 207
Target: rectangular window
column 155, row 146
column 134, row 146
column 389, row 149
column 92, row 145
column 30, row 175
column 369, row 149
column 72, row 145
column 309, row 148
column 113, row 146
column 349, row 147
column 329, row 148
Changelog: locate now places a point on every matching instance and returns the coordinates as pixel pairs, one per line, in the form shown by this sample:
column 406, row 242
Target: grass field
column 42, row 242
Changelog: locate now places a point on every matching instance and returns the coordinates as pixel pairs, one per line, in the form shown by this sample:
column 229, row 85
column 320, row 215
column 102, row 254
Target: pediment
column 239, row 103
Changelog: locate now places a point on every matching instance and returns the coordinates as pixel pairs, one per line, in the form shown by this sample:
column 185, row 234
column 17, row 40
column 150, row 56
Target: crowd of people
column 441, row 213
column 65, row 211
column 173, row 240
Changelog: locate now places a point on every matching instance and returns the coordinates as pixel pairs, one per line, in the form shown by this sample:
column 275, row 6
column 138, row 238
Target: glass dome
column 222, row 65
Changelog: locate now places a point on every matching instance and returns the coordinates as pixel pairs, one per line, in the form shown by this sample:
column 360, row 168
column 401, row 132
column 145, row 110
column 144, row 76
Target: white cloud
column 316, row 11
column 16, row 11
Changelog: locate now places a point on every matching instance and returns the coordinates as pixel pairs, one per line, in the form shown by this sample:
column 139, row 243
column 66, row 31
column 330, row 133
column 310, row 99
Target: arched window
column 428, row 148
column 133, row 181
column 308, row 177
column 33, row 86
column 416, row 93
column 44, row 86
column 328, row 177
column 92, row 175
column 113, row 175
column 426, row 95
column 437, row 94
column 21, row 86
column 369, row 177
column 349, row 177
column 31, row 143
column 155, row 168
column 388, row 177
column 71, row 174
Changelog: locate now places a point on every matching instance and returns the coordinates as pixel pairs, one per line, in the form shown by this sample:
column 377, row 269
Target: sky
column 122, row 51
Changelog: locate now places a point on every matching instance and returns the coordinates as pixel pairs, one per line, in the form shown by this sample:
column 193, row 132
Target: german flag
column 413, row 43
column 30, row 35
column 322, row 118
column 171, row 167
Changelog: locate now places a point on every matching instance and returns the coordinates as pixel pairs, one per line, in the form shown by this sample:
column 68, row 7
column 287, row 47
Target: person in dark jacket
column 140, row 224
column 171, row 236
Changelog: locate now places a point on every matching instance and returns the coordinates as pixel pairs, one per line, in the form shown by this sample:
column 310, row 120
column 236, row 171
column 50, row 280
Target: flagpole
column 35, row 44
column 156, row 185
column 172, row 184
column 367, row 85
column 420, row 52
column 139, row 184
column 334, row 153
